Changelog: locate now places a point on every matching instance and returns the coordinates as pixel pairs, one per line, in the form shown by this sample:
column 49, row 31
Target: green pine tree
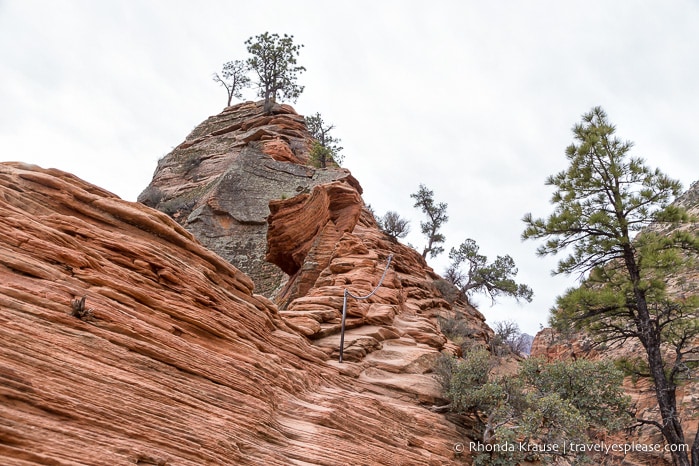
column 274, row 62
column 602, row 201
column 436, row 217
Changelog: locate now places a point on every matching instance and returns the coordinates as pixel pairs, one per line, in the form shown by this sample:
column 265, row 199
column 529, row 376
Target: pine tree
column 274, row 61
column 436, row 217
column 233, row 78
column 602, row 201
column 470, row 272
column 327, row 148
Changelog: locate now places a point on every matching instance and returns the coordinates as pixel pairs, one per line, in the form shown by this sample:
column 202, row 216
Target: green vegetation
column 601, row 202
column 327, row 148
column 393, row 225
column 233, row 78
column 508, row 338
column 470, row 272
column 274, row 62
column 529, row 415
column 436, row 217
column 458, row 330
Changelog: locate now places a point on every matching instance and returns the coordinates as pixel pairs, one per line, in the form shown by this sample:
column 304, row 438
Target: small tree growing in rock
column 471, row 272
column 436, row 217
column 274, row 62
column 393, row 225
column 327, row 148
column 234, row 78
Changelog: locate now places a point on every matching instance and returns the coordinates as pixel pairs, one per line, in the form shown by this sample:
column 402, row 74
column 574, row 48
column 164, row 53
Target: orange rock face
column 318, row 241
column 295, row 225
column 330, row 244
column 173, row 360
column 219, row 182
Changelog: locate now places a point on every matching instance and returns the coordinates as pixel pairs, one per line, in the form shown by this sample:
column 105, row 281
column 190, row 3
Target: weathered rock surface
column 330, row 244
column 318, row 241
column 176, row 361
column 219, row 181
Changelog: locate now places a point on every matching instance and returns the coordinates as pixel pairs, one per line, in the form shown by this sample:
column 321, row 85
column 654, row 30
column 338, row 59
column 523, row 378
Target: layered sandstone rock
column 175, row 361
column 319, row 240
column 218, row 183
column 393, row 338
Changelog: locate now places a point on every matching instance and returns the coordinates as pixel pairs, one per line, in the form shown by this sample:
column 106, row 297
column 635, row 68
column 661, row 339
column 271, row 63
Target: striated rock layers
column 219, row 181
column 173, row 360
column 319, row 239
column 550, row 344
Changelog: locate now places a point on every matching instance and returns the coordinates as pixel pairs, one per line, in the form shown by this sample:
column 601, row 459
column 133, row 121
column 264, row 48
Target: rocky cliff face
column 218, row 183
column 552, row 345
column 304, row 234
column 175, row 358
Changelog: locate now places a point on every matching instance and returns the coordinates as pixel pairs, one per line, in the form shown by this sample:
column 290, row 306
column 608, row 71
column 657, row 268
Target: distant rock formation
column 527, row 341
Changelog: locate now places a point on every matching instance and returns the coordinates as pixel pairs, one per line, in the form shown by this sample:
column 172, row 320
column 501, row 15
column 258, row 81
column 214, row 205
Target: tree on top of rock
column 327, row 148
column 233, row 78
column 274, row 62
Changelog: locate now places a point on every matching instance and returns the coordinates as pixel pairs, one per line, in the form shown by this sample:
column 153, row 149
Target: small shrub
column 79, row 311
column 151, row 196
column 508, row 338
column 190, row 163
column 444, row 369
column 322, row 156
column 393, row 225
column 542, row 404
column 457, row 330
column 449, row 292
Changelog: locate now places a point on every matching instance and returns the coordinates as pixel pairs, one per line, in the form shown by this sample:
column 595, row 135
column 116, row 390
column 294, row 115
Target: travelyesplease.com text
column 567, row 447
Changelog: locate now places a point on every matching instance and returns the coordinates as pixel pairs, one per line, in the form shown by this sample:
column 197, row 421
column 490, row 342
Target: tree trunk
column 665, row 394
column 664, row 388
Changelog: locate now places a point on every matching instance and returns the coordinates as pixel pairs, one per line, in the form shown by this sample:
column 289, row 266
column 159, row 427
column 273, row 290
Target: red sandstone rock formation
column 219, row 182
column 175, row 361
column 319, row 241
column 328, row 243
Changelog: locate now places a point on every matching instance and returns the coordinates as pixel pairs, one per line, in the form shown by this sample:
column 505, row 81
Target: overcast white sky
column 475, row 99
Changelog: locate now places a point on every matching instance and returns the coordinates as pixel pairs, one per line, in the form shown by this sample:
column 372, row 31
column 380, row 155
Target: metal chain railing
column 344, row 304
